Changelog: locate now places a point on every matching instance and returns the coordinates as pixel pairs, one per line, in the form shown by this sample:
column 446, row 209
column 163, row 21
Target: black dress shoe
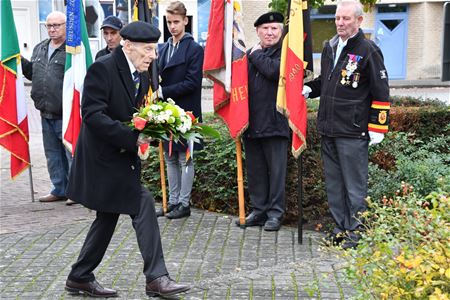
column 93, row 289
column 272, row 224
column 351, row 241
column 253, row 219
column 179, row 212
column 170, row 207
column 164, row 286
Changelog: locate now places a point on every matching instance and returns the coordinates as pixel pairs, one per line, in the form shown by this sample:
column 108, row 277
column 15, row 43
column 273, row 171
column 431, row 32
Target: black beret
column 139, row 31
column 270, row 17
column 112, row 22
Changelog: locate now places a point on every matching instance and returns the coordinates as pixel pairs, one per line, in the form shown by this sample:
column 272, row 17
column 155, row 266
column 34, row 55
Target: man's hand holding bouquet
column 167, row 121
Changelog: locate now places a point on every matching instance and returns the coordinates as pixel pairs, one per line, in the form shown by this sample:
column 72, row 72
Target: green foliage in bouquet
column 167, row 121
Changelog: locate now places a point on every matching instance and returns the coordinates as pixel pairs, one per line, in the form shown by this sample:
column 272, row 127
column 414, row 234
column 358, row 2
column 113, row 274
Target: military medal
column 348, row 75
column 344, row 76
column 355, row 80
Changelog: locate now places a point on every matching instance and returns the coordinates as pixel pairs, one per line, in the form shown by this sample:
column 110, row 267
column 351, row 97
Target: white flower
column 155, row 107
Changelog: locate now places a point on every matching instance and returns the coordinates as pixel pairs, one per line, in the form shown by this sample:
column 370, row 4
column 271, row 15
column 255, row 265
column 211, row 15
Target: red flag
column 290, row 100
column 13, row 111
column 226, row 64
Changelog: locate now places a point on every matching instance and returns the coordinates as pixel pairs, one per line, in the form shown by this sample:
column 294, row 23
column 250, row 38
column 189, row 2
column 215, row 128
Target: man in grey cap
column 110, row 28
column 106, row 169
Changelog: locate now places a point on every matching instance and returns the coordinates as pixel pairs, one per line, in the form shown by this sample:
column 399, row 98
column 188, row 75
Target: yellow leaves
column 438, row 295
column 414, row 262
column 447, row 273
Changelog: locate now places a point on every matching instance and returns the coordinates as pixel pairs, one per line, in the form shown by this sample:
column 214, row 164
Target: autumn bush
column 404, row 252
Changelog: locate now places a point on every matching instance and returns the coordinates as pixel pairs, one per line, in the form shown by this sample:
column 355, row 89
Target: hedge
column 215, row 186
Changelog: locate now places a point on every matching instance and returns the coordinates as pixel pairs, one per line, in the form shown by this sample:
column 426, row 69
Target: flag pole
column 300, row 198
column 308, row 75
column 240, row 182
column 163, row 177
column 31, row 178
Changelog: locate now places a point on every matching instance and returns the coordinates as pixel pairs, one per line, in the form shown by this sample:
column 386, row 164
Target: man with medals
column 353, row 114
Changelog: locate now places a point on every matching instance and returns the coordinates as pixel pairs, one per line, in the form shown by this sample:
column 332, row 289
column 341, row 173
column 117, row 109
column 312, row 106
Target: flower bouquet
column 167, row 121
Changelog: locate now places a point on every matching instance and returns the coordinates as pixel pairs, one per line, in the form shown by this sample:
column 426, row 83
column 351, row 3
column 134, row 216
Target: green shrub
column 405, row 250
column 401, row 157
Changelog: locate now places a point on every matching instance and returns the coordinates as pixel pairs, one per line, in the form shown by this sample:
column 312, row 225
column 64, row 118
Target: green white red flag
column 14, row 134
column 226, row 64
column 78, row 60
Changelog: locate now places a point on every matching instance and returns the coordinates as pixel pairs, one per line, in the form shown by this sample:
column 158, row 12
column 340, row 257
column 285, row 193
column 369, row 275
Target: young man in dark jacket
column 46, row 71
column 267, row 138
column 180, row 63
column 353, row 114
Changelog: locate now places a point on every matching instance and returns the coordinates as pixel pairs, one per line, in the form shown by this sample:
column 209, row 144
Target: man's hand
column 256, row 47
column 306, row 90
column 375, row 137
column 157, row 95
column 143, row 139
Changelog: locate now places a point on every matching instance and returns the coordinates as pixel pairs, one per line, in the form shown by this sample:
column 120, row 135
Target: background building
column 410, row 33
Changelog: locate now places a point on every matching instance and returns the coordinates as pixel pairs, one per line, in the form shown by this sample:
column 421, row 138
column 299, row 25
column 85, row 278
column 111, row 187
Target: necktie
column 136, row 80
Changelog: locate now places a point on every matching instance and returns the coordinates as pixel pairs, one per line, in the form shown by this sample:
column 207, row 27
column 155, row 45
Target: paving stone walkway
column 39, row 242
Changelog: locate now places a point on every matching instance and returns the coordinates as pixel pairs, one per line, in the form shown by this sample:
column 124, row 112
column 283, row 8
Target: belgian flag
column 296, row 63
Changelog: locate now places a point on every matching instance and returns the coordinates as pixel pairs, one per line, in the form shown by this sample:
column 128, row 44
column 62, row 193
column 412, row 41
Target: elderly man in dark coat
column 180, row 63
column 105, row 174
column 267, row 138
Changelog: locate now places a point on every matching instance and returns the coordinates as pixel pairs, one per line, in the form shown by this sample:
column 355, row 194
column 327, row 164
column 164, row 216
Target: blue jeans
column 180, row 175
column 58, row 157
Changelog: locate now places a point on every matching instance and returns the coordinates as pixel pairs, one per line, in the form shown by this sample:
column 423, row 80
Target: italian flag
column 13, row 110
column 78, row 60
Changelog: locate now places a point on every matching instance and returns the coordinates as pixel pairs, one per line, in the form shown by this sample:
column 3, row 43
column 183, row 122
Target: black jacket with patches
column 352, row 105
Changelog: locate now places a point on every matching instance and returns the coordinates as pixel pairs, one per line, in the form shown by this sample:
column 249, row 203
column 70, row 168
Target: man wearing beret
column 267, row 137
column 105, row 174
column 110, row 29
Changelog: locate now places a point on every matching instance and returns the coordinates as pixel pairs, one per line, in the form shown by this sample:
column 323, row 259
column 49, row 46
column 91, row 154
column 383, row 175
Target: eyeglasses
column 54, row 26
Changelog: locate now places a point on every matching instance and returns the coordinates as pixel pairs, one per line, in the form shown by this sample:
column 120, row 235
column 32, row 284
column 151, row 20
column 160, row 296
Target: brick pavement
column 39, row 242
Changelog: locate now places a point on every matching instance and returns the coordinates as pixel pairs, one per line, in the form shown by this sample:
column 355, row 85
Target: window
column 322, row 26
column 392, row 8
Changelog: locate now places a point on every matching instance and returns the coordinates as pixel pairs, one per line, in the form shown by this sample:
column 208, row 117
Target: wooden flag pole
column 240, row 181
column 163, row 177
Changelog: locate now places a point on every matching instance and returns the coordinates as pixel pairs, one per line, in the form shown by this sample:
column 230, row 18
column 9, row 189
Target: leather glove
column 306, row 90
column 375, row 137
